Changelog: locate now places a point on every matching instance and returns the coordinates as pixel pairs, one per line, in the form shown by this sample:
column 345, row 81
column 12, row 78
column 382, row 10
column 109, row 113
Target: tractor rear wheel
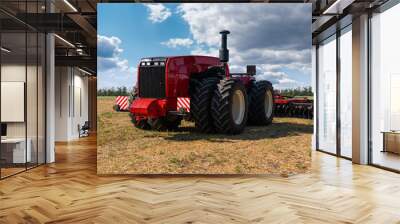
column 164, row 123
column 200, row 104
column 229, row 107
column 261, row 97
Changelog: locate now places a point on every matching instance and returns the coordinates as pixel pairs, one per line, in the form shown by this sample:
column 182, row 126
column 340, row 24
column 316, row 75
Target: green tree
column 114, row 91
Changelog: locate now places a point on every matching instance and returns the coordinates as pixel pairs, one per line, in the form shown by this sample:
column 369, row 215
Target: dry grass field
column 282, row 148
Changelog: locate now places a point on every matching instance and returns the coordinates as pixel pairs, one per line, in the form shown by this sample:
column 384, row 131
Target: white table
column 18, row 151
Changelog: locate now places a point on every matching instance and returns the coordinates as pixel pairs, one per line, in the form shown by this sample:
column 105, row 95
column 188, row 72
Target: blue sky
column 280, row 47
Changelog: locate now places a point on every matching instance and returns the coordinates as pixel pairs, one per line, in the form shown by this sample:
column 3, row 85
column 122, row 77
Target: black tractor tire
column 259, row 111
column 229, row 111
column 164, row 123
column 200, row 104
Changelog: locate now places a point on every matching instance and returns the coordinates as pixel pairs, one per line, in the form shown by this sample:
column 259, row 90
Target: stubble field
column 282, row 148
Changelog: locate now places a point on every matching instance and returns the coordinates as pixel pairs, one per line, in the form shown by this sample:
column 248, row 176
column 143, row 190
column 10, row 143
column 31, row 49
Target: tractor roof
column 164, row 58
column 153, row 59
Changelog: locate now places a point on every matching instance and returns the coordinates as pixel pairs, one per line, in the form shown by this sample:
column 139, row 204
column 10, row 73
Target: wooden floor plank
column 69, row 191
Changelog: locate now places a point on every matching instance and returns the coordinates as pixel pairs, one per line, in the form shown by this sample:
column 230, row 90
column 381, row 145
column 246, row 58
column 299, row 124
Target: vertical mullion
column 73, row 93
column 369, row 100
column 69, row 93
column 316, row 116
column 338, row 98
column 37, row 89
column 0, row 94
column 60, row 88
column 26, row 86
column 45, row 88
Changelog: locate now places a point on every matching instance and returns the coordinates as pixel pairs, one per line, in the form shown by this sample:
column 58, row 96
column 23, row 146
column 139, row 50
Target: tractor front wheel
column 200, row 104
column 261, row 97
column 229, row 107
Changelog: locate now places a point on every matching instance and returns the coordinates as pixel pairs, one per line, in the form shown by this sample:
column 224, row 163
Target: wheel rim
column 268, row 99
column 238, row 107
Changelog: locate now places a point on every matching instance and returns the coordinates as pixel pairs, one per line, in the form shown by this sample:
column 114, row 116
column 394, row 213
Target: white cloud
column 117, row 77
column 280, row 80
column 113, row 70
column 178, row 42
column 259, row 35
column 108, row 46
column 213, row 51
column 247, row 22
column 158, row 12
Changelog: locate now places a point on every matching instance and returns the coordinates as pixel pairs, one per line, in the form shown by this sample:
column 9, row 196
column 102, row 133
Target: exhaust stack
column 223, row 51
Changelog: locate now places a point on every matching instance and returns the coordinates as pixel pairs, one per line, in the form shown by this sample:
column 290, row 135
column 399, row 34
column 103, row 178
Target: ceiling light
column 80, row 51
column 70, row 5
column 337, row 7
column 64, row 40
column 5, row 50
column 84, row 71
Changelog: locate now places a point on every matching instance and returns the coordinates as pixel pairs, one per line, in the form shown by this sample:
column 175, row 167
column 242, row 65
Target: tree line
column 124, row 91
column 114, row 91
column 300, row 91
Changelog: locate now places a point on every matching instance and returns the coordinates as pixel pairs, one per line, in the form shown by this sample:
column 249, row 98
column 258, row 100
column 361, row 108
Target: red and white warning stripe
column 123, row 102
column 183, row 102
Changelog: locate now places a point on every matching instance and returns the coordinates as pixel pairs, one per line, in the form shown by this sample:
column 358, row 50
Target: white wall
column 62, row 82
column 80, row 109
column 12, row 73
column 71, row 102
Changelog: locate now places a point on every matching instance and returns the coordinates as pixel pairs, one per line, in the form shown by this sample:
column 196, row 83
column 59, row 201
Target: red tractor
column 201, row 89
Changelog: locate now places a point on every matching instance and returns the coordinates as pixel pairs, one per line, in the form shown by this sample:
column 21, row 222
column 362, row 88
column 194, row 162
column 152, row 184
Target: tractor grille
column 152, row 81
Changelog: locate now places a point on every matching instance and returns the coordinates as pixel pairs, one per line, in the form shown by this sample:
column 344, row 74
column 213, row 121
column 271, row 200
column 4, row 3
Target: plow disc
column 301, row 107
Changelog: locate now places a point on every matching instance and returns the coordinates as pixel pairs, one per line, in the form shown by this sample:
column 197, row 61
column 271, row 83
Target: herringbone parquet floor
column 69, row 191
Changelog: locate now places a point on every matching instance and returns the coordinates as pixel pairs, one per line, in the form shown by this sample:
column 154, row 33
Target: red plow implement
column 286, row 106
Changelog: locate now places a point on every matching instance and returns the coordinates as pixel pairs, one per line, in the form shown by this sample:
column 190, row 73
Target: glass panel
column 41, row 98
column 32, row 88
column 346, row 93
column 23, row 89
column 31, row 98
column 385, row 83
column 13, row 87
column 327, row 96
